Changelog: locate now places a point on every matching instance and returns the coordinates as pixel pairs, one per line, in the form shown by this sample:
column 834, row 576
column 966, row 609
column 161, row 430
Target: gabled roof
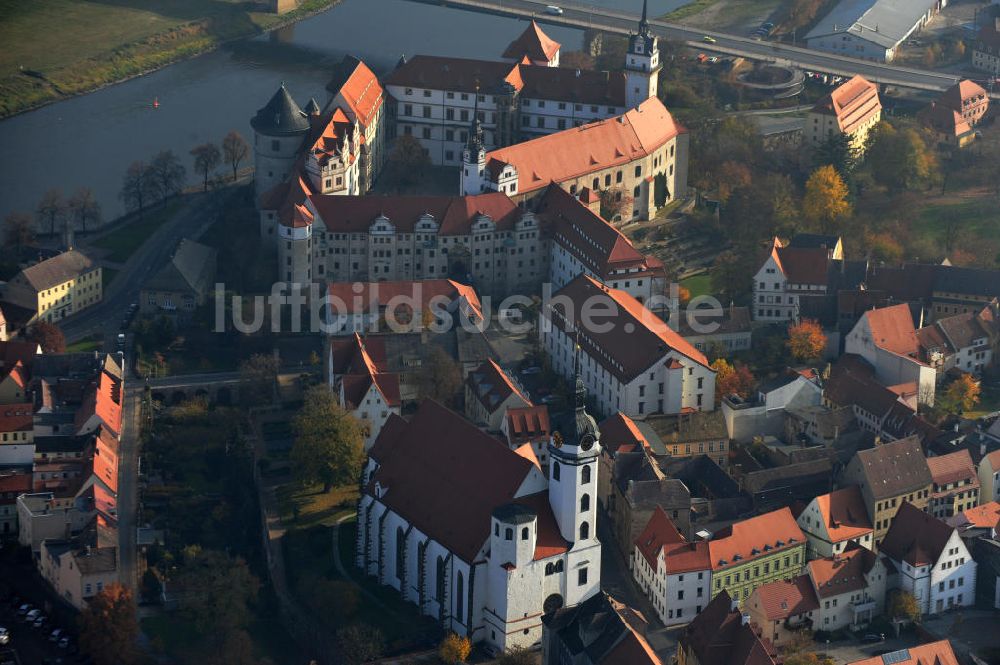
column 58, row 269
column 529, row 424
column 281, row 116
column 786, row 598
column 945, row 120
column 892, row 329
column 958, row 96
column 843, row 573
column 718, row 636
column 360, row 372
column 426, row 474
column 360, row 88
column 589, row 148
column 533, row 43
column 896, row 468
column 804, row 265
column 844, row 514
column 636, row 339
column 491, row 386
column 933, row 653
column 915, row 537
column 986, row 516
column 620, row 433
column 952, row 468
column 104, row 401
column 852, row 102
column 679, row 555
column 757, row 536
column 381, row 294
column 192, row 268
column 600, row 630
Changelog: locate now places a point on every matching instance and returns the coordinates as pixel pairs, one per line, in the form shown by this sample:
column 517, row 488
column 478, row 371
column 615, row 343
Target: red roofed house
column 529, row 425
column 476, row 534
column 362, row 385
column 932, row 653
column 102, row 405
column 15, row 370
column 723, row 634
column 356, row 91
column 398, row 306
column 534, row 45
column 888, row 340
column 831, row 522
column 782, row 607
column 17, row 425
column 630, row 360
column 956, row 485
column 930, row 561
column 598, row 631
column 790, row 272
column 982, row 520
column 641, row 153
column 852, row 108
column 676, row 575
column 850, row 586
column 489, row 393
column 13, row 484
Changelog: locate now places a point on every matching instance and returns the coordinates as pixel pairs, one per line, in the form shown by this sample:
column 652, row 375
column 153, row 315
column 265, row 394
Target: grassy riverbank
column 58, row 48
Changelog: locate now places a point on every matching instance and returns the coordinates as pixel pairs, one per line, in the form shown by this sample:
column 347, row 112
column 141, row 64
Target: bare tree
column 206, row 159
column 51, row 209
column 83, row 208
column 18, row 230
column 168, row 172
column 235, row 148
column 139, row 188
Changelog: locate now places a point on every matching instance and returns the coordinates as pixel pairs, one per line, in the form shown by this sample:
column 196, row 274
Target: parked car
column 24, row 609
column 41, row 621
column 56, row 635
column 708, row 40
column 32, row 615
column 554, row 10
column 64, row 642
column 4, row 635
column 872, row 637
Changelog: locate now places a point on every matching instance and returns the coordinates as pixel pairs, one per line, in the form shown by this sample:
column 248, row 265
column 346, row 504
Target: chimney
column 734, row 604
column 744, row 619
column 68, row 234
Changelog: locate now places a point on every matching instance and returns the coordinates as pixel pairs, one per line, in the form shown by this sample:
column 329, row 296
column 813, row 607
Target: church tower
column 474, row 156
column 642, row 64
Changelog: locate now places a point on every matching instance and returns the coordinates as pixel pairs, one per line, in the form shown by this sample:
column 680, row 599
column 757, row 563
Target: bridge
column 217, row 387
column 584, row 16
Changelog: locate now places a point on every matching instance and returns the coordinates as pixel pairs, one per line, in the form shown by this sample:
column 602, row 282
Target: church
column 476, row 534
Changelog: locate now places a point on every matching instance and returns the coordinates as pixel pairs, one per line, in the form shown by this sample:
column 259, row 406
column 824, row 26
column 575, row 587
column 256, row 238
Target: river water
column 90, row 140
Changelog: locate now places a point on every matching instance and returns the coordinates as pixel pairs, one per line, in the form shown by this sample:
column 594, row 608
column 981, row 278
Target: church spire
column 476, row 129
column 580, row 389
column 643, row 23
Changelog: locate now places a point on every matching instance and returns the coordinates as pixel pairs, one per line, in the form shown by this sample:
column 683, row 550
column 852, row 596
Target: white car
column 554, row 10
column 4, row 635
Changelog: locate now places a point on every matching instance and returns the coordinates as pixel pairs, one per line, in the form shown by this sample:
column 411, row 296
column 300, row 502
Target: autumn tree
column 329, row 442
column 837, row 151
column 168, row 173
column 903, row 605
column 235, row 149
column 735, row 379
column 731, row 176
column 732, row 274
column 83, row 208
column 408, row 162
column 206, row 160
column 139, row 187
column 961, row 395
column 441, row 378
column 454, row 649
column 360, row 643
column 616, row 202
column 217, row 590
column 48, row 336
column 258, row 380
column 18, row 230
column 825, row 202
column 900, row 159
column 51, row 209
column 806, row 341
column 108, row 626
column 765, row 208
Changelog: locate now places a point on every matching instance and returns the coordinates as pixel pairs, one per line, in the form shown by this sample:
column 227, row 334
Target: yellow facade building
column 58, row 287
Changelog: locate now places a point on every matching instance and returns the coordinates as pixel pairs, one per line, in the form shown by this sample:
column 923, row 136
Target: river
column 91, row 139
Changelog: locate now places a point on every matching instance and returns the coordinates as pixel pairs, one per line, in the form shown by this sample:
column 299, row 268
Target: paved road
column 195, row 380
column 581, row 15
column 128, row 478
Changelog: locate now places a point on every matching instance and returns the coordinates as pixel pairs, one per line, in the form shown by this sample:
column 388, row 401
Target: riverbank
column 55, row 49
column 734, row 16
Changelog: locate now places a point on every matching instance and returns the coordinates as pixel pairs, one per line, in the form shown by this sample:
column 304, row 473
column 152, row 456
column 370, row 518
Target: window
column 459, row 597
column 524, row 533
column 400, row 552
column 555, row 470
column 584, row 474
column 508, row 534
column 584, row 531
column 584, row 503
column 581, row 576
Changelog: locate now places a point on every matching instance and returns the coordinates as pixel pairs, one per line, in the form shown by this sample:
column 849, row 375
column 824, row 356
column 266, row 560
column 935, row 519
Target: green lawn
column 85, row 345
column 123, row 242
column 989, row 401
column 698, row 285
column 305, row 507
column 978, row 218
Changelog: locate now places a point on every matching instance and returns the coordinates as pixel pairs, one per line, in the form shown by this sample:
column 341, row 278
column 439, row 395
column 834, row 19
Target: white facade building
column 832, row 522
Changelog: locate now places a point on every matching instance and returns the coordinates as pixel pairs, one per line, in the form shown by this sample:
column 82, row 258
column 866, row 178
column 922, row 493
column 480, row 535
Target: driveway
column 968, row 630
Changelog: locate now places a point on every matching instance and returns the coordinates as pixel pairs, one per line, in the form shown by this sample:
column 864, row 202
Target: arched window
column 585, row 474
column 584, row 503
column 496, row 529
column 508, row 534
column 441, row 574
column 555, row 470
column 400, row 549
column 460, row 597
column 559, row 566
column 584, row 531
column 549, row 569
column 524, row 533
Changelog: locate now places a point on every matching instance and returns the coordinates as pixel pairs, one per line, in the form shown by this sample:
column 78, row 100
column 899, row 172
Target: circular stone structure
column 772, row 80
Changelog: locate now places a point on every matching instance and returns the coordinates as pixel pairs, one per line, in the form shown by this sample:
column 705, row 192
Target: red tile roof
column 915, row 537
column 962, row 94
column 945, row 120
column 853, row 103
column 633, row 649
column 679, row 555
column 491, row 386
column 755, row 537
column 381, row 293
column 533, row 44
column 718, row 636
column 596, row 146
column 16, row 417
column 104, row 401
column 529, row 424
column 104, row 459
column 843, row 573
column 844, row 513
column 636, row 339
column 619, row 430
column 781, row 599
column 986, row 516
column 426, row 475
column 352, row 355
column 892, row 329
column 952, row 468
column 12, row 352
column 548, row 539
column 363, row 93
column 15, row 483
column 804, row 265
column 933, row 653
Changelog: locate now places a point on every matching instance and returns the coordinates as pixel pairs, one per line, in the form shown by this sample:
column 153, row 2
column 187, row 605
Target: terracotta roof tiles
column 533, row 44
column 952, row 468
column 853, row 103
column 761, row 535
column 933, row 653
column 491, row 385
column 915, row 537
column 786, row 598
column 832, row 576
column 844, row 514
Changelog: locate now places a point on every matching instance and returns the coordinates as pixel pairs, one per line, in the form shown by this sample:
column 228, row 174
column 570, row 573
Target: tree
column 516, row 656
column 139, row 187
column 360, row 643
column 731, row 176
column 454, row 649
column 615, row 202
column 51, row 209
column 168, row 172
column 217, row 590
column 732, row 274
column 235, row 149
column 900, row 158
column 108, row 626
column 18, row 230
column 329, row 442
column 48, row 336
column 961, row 395
column 206, row 160
column 732, row 379
column 825, row 202
column 335, row 599
column 258, row 380
column 903, row 605
column 806, row 340
column 442, row 378
column 408, row 162
column 763, row 209
column 836, row 151
column 83, row 207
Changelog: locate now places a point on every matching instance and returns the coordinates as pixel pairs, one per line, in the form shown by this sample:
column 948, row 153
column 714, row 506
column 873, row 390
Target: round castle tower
column 513, row 535
column 279, row 130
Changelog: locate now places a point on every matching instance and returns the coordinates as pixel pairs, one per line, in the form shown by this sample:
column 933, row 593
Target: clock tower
column 642, row 64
